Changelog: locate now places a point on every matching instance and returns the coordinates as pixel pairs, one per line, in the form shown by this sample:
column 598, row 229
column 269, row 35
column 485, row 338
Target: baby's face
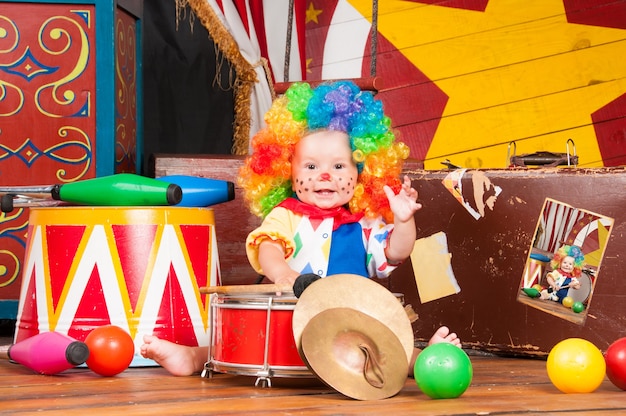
column 322, row 170
column 567, row 264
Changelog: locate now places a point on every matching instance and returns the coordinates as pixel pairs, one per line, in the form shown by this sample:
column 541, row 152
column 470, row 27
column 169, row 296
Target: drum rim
column 252, row 301
column 253, row 369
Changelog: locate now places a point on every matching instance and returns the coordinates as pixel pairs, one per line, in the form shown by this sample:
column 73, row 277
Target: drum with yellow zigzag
column 139, row 268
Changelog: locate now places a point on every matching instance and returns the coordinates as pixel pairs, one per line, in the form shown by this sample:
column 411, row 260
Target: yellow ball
column 576, row 365
column 567, row 302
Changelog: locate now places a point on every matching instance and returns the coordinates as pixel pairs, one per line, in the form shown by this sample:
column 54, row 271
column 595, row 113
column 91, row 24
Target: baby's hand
column 286, row 280
column 403, row 204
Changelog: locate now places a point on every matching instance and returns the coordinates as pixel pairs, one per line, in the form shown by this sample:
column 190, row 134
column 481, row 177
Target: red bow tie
column 340, row 214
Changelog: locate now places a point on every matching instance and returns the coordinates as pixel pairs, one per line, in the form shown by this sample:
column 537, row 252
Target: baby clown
column 307, row 131
column 324, row 175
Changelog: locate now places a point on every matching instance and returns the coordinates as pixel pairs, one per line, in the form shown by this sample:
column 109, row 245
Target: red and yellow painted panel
column 47, row 105
column 47, row 110
column 463, row 79
column 126, row 92
column 49, row 87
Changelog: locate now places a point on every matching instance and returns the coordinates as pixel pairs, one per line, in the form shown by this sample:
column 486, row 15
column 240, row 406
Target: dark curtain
column 188, row 104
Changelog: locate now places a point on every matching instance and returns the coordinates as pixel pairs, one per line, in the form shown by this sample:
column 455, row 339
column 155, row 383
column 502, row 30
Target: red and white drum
column 134, row 267
column 535, row 269
column 251, row 334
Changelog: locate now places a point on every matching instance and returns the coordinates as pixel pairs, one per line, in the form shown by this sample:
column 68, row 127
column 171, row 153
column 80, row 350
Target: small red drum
column 139, row 268
column 251, row 334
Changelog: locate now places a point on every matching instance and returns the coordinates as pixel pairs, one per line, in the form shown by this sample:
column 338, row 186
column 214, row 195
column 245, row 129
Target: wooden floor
column 501, row 386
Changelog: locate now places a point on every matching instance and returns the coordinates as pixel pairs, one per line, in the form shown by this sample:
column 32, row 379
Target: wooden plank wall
column 463, row 79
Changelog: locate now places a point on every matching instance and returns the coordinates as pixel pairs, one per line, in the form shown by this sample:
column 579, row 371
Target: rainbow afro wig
column 340, row 106
column 569, row 251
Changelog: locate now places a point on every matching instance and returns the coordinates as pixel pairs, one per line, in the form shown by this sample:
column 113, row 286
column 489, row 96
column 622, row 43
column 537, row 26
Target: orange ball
column 576, row 365
column 111, row 350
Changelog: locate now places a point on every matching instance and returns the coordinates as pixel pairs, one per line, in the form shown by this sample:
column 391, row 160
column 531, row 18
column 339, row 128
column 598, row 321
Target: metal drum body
column 139, row 268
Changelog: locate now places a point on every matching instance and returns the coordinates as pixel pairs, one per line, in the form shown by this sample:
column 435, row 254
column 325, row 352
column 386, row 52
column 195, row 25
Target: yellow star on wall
column 511, row 73
column 312, row 13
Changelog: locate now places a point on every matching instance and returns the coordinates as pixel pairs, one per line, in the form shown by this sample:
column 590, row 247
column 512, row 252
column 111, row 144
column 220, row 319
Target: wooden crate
column 233, row 221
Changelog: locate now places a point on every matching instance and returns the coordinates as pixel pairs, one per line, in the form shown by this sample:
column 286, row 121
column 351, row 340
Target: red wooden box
column 70, row 73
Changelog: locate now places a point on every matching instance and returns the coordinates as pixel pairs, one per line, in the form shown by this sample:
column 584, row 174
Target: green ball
column 443, row 371
column 578, row 307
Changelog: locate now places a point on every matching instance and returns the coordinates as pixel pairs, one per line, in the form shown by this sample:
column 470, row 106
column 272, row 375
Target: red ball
column 111, row 350
column 615, row 357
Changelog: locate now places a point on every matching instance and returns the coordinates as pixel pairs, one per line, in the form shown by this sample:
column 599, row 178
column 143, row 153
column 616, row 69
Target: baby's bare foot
column 179, row 360
column 443, row 334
